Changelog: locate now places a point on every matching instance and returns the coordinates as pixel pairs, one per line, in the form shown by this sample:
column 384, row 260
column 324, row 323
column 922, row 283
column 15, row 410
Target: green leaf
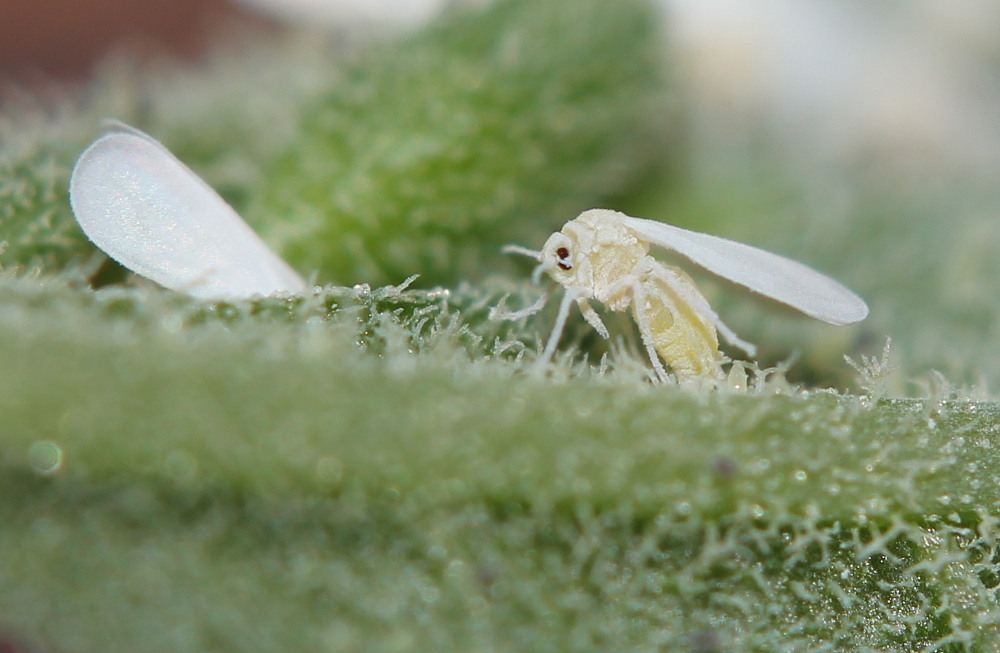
column 431, row 154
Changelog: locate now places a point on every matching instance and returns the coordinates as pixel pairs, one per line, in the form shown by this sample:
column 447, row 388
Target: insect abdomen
column 683, row 339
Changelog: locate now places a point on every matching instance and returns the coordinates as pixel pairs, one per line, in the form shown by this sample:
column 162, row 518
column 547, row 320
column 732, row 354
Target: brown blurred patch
column 46, row 40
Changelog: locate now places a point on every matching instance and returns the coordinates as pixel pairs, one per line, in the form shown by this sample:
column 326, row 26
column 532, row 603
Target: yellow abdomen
column 683, row 339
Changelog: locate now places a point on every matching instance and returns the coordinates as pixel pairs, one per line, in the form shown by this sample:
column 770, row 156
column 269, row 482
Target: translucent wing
column 774, row 276
column 148, row 211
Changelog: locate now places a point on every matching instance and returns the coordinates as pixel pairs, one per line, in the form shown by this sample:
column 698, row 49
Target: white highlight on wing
column 769, row 274
column 148, row 211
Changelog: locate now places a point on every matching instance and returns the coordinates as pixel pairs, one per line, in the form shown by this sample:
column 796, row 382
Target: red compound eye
column 563, row 255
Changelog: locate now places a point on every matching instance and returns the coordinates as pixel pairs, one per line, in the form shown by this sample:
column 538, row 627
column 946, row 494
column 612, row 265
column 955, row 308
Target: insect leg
column 697, row 302
column 550, row 347
column 639, row 304
column 593, row 319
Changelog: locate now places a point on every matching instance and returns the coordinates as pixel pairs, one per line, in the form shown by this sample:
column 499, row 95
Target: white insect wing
column 769, row 274
column 151, row 213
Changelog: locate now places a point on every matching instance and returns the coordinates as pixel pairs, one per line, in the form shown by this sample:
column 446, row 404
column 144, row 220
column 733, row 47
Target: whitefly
column 603, row 256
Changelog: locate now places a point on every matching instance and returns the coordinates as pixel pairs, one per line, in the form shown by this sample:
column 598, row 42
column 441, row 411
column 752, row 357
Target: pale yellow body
column 600, row 259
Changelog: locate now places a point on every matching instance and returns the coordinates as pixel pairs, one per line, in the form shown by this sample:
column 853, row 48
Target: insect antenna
column 523, row 251
column 536, row 274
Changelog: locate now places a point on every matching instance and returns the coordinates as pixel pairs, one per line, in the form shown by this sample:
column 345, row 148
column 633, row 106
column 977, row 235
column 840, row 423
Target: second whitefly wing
column 769, row 274
column 147, row 210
